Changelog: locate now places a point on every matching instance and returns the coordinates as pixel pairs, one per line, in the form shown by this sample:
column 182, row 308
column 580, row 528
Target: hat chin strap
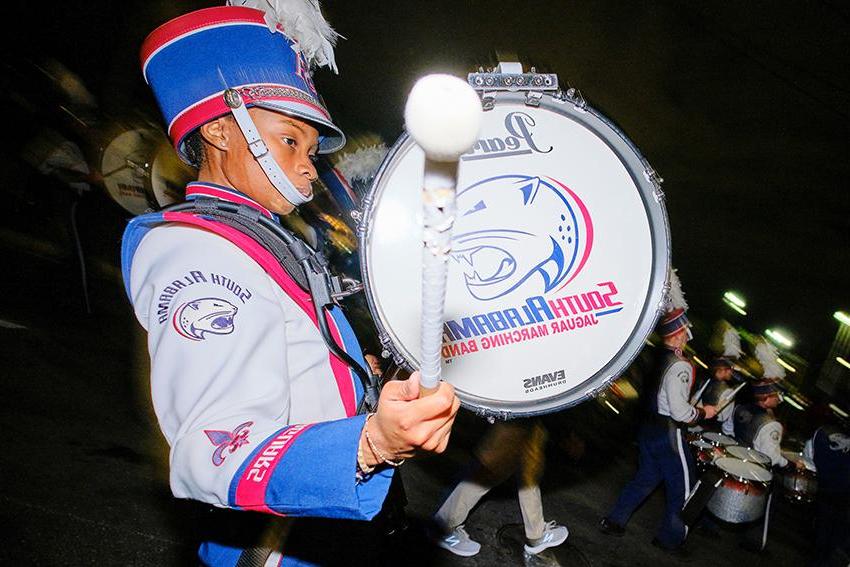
column 260, row 151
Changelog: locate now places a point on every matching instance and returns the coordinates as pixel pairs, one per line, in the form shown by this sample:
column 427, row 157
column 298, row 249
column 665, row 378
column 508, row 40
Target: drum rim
column 761, row 458
column 652, row 198
column 738, row 477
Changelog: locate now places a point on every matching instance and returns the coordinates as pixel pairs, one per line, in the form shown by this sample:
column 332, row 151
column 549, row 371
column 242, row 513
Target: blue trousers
column 663, row 458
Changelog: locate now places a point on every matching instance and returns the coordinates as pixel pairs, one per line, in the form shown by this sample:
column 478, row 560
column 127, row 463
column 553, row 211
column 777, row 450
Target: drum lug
column 388, row 352
column 574, row 96
column 533, row 98
column 656, row 180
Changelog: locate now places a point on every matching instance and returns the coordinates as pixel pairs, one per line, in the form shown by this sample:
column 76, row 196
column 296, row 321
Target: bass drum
column 142, row 172
column 559, row 257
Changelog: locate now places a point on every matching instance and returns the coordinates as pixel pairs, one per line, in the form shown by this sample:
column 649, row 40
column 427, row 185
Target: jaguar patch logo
column 198, row 318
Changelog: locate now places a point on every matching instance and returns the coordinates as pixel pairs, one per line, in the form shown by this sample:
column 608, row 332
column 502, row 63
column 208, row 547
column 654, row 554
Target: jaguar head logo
column 517, row 232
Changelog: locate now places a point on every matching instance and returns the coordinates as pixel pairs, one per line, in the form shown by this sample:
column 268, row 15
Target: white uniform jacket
column 259, row 415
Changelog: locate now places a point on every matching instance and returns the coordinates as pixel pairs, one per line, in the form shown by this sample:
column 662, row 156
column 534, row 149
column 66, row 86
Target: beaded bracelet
column 375, row 450
column 362, row 467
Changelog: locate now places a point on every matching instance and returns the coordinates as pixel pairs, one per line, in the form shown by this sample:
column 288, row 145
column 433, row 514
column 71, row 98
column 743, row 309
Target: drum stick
column 443, row 116
column 730, row 399
column 698, row 395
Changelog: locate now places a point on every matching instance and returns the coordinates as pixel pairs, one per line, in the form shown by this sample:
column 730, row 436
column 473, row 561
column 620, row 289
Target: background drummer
column 666, row 410
column 720, row 390
column 756, row 426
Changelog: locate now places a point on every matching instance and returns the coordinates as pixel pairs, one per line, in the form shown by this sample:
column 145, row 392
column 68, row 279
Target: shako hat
column 191, row 61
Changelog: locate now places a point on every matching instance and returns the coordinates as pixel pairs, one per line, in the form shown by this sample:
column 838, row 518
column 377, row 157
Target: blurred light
column 736, row 308
column 801, row 400
column 734, row 299
column 785, row 365
column 607, row 403
column 842, row 362
column 838, row 410
column 842, row 317
column 792, row 403
column 779, row 338
column 735, row 302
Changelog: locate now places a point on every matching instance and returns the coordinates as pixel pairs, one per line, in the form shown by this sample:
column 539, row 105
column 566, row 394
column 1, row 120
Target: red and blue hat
column 190, row 62
column 673, row 322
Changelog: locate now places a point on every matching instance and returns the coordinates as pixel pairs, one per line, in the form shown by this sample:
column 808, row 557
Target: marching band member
column 513, row 447
column 756, row 426
column 259, row 411
column 663, row 456
column 829, row 449
column 719, row 390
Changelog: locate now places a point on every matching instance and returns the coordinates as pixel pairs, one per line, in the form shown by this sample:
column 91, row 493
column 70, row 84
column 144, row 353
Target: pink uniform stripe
column 251, row 489
column 298, row 295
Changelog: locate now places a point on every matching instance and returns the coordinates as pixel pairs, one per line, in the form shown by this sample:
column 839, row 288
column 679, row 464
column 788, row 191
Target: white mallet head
column 443, row 115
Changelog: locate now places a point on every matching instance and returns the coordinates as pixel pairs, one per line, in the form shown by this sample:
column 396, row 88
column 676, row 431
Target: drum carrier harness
column 307, row 267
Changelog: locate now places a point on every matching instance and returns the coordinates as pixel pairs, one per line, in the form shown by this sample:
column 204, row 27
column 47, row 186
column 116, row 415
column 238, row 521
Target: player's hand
column 710, row 411
column 374, row 364
column 406, row 424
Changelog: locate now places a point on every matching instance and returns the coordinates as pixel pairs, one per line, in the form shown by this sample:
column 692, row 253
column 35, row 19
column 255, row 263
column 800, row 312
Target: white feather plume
column 676, row 297
column 766, row 354
column 302, row 21
column 731, row 343
column 363, row 164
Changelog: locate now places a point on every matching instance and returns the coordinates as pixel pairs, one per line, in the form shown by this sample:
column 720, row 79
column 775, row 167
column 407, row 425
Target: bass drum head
column 169, row 176
column 560, row 252
column 125, row 167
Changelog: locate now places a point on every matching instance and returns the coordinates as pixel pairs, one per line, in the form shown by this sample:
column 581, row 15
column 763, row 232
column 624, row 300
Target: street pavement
column 84, row 468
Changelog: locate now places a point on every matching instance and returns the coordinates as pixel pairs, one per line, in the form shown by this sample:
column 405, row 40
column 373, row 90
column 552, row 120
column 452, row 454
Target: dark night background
column 742, row 107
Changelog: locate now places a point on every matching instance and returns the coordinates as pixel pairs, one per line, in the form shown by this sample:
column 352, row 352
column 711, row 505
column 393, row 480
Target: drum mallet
column 443, row 116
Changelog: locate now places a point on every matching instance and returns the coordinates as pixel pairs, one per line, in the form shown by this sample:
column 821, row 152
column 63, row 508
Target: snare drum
column 705, row 453
column 718, row 439
column 799, row 485
column 742, row 494
column 559, row 257
column 749, row 455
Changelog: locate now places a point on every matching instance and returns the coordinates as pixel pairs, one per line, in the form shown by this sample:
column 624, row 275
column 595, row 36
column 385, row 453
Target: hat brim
column 331, row 138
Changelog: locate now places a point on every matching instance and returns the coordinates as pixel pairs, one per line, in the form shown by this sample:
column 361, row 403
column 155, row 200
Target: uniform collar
column 197, row 189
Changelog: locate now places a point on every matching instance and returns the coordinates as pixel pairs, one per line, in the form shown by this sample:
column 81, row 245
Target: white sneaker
column 553, row 535
column 458, row 542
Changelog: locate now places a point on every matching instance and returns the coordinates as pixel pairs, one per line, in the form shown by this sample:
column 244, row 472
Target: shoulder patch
column 776, row 435
column 196, row 319
column 839, row 442
column 227, row 442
